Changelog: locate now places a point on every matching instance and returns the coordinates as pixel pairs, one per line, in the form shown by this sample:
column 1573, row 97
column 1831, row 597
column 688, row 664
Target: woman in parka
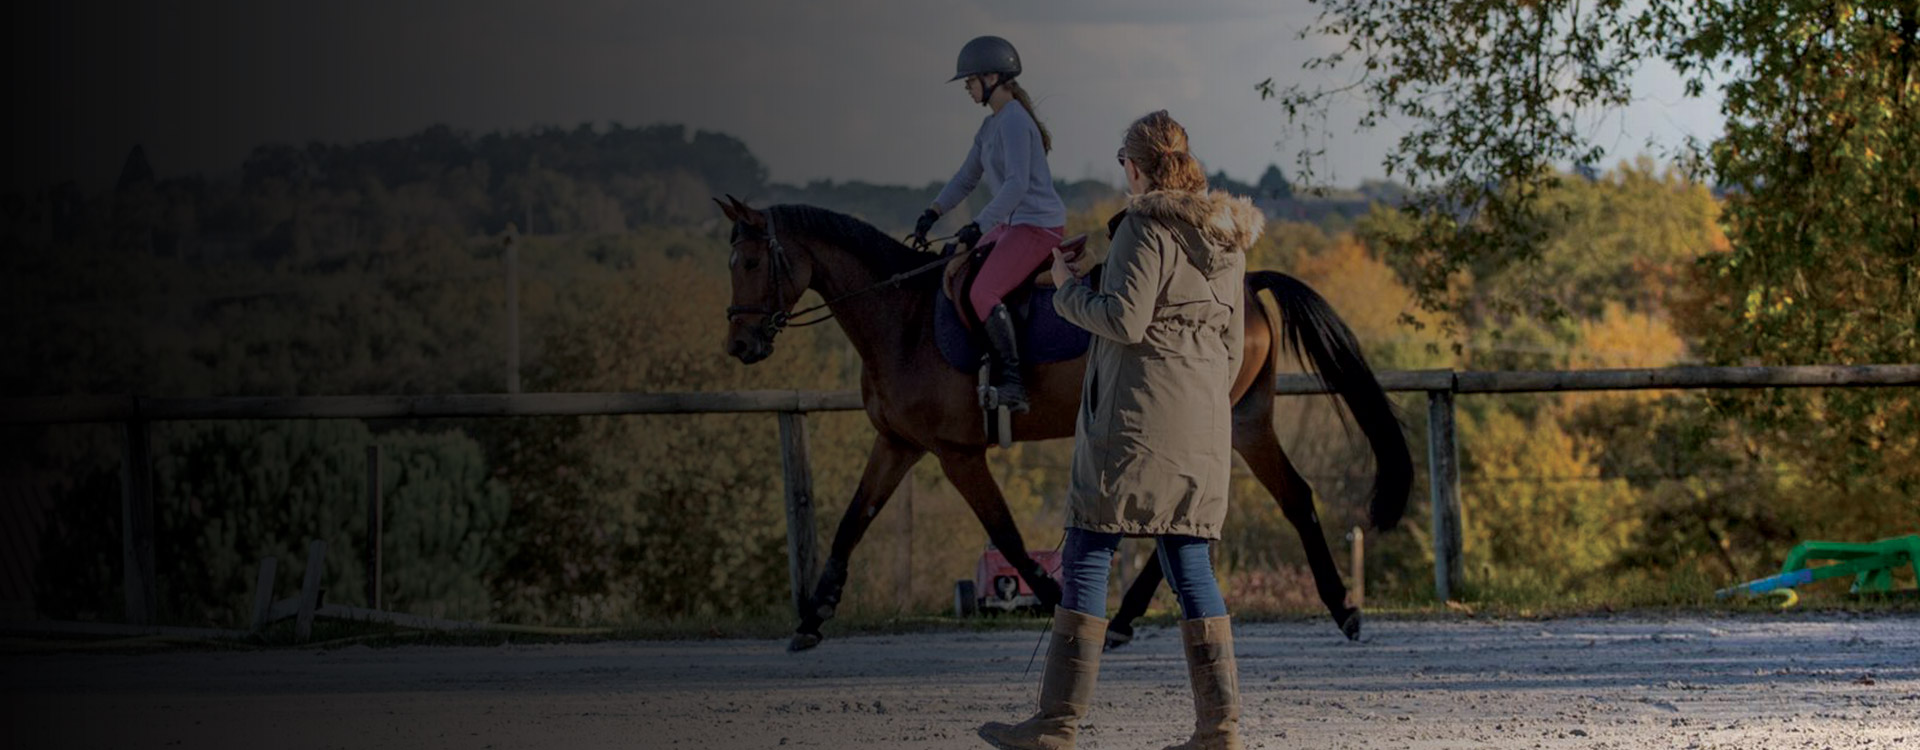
column 1152, row 446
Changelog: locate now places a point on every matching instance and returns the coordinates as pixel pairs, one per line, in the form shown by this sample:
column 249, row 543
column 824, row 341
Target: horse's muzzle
column 748, row 348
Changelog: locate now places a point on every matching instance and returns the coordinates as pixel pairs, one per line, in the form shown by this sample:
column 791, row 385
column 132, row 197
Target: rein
column 778, row 319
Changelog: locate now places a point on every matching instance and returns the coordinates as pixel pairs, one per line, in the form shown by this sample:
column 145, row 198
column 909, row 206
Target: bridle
column 775, row 317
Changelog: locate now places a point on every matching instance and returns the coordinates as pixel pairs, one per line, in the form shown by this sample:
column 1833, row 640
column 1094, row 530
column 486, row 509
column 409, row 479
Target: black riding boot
column 1005, row 371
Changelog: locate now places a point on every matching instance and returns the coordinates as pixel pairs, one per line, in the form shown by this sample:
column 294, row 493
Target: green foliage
column 377, row 268
column 1220, row 181
column 1626, row 237
column 1819, row 263
column 1273, row 184
column 1533, row 504
column 634, row 519
column 227, row 494
column 1492, row 95
column 1822, row 158
column 565, row 179
column 1818, row 153
column 1709, row 501
column 388, row 319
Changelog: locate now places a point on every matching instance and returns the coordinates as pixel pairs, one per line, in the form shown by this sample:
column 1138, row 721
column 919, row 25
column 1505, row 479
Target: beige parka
column 1153, row 443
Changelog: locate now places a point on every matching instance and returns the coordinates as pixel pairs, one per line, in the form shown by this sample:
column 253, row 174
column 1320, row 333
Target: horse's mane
column 884, row 254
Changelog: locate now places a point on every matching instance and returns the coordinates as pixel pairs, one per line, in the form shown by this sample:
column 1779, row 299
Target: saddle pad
column 1044, row 335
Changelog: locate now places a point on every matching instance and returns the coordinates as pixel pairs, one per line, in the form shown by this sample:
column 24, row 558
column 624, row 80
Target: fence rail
column 81, row 409
column 136, row 413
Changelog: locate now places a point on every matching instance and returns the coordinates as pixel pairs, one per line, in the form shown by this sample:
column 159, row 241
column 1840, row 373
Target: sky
column 838, row 89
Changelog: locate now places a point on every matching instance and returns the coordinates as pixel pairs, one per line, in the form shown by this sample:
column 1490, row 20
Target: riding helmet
column 987, row 54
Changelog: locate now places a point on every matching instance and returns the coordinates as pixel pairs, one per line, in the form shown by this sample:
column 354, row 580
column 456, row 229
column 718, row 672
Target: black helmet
column 987, row 54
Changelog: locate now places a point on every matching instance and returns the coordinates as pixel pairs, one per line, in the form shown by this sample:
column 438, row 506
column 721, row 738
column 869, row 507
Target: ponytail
column 1157, row 146
column 1020, row 94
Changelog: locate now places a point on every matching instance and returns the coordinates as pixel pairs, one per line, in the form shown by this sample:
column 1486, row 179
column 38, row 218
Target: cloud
column 844, row 89
column 1145, row 12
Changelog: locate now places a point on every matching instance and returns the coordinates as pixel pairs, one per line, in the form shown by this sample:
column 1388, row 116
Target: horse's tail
column 1319, row 338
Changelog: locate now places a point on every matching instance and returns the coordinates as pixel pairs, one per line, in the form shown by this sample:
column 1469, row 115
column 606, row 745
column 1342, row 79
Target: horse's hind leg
column 887, row 464
column 1254, row 439
column 967, row 470
column 1134, row 604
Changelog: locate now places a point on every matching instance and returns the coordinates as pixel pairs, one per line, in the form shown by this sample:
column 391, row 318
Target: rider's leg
column 1018, row 251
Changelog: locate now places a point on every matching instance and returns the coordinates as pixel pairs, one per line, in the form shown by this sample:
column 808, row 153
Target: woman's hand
column 1064, row 270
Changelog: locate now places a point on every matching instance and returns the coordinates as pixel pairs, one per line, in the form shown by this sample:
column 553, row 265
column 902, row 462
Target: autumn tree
column 1818, row 164
column 1822, row 102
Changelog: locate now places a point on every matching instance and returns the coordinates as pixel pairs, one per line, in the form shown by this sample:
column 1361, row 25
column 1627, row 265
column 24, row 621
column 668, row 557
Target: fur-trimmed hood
column 1223, row 223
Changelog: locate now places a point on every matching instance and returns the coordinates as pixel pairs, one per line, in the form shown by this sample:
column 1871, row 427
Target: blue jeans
column 1086, row 556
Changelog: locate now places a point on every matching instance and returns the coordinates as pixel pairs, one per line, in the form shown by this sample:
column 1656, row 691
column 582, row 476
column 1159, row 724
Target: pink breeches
column 1018, row 251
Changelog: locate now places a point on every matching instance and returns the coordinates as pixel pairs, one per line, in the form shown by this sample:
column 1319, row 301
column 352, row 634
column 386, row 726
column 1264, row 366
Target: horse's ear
column 755, row 219
column 727, row 209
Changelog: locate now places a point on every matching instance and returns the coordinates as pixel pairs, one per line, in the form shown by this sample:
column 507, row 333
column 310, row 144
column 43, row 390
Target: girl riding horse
column 1024, row 220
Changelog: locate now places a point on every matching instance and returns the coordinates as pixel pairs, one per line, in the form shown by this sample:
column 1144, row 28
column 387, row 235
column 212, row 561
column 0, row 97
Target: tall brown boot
column 1066, row 688
column 1216, row 685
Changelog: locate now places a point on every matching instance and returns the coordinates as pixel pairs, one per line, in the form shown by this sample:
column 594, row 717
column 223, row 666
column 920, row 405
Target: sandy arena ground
column 1792, row 681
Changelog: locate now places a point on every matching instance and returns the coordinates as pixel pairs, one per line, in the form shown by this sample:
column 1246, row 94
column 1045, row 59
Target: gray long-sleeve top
column 1007, row 150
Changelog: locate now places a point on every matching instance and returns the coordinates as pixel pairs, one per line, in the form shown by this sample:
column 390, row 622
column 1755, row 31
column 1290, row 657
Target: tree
column 1535, row 510
column 1220, row 181
column 1823, row 115
column 620, row 519
column 227, row 494
column 1819, row 166
column 1272, row 184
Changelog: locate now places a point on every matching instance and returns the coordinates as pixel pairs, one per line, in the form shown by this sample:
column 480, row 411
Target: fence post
column 906, row 553
column 1357, row 553
column 263, row 594
column 1443, row 473
column 374, row 526
column 136, row 517
column 801, row 541
column 513, row 305
column 310, row 590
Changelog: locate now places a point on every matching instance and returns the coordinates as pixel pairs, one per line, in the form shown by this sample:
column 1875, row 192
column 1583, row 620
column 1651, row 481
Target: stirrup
column 998, row 418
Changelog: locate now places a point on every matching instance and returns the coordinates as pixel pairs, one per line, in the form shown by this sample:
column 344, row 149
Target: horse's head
column 768, row 280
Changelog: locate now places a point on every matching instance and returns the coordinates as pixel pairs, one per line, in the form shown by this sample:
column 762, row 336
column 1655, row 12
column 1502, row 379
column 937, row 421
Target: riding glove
column 968, row 235
column 925, row 223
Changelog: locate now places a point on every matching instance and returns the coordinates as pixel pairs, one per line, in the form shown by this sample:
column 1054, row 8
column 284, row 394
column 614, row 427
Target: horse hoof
column 802, row 642
column 1117, row 637
column 1048, row 592
column 1350, row 626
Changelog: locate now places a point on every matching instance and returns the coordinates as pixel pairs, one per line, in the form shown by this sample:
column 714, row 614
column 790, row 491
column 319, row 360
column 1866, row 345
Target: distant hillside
column 325, row 200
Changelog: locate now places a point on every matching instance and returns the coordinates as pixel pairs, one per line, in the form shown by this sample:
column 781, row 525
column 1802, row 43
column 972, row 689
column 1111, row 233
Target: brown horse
column 918, row 404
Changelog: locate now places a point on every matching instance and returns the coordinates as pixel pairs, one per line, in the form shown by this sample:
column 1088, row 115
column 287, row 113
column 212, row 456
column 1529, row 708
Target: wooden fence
column 134, row 414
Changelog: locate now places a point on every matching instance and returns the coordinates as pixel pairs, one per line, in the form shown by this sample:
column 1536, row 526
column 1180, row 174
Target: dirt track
column 1749, row 682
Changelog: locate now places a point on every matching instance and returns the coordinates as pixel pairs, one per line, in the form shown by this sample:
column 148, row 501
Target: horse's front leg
column 1134, row 603
column 887, row 464
column 968, row 473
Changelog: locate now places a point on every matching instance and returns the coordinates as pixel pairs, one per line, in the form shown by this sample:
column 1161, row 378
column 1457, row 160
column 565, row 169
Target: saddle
column 964, row 265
